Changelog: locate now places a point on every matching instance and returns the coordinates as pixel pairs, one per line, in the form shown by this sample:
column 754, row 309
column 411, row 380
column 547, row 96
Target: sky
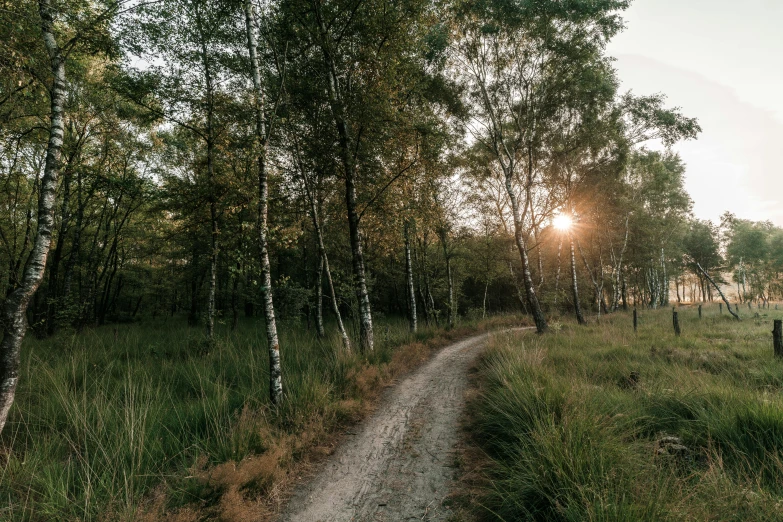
column 720, row 61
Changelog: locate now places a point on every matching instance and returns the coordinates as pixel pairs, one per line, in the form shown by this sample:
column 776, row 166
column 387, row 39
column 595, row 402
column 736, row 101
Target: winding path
column 400, row 462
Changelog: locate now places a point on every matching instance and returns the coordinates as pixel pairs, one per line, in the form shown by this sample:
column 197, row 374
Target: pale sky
column 721, row 61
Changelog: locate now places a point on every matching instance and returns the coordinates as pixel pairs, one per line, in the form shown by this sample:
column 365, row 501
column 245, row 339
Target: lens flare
column 562, row 222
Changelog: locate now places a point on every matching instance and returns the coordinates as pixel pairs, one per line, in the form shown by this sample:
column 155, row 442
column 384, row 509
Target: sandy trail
column 400, row 462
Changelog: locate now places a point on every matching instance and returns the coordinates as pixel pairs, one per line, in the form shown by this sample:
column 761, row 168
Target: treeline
column 324, row 162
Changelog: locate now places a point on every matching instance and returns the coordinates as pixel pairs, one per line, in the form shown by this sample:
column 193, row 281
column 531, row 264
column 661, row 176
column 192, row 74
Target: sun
column 562, row 222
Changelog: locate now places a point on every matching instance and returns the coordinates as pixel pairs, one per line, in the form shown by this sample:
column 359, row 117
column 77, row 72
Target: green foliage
column 701, row 244
column 754, row 250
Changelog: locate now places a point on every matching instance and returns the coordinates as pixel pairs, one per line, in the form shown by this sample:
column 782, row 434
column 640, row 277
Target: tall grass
column 572, row 436
column 127, row 422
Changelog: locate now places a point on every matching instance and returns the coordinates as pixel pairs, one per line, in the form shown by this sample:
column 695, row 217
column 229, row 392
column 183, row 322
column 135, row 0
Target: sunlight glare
column 562, row 222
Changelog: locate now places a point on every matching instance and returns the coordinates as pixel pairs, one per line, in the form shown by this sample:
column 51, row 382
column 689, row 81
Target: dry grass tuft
column 234, row 507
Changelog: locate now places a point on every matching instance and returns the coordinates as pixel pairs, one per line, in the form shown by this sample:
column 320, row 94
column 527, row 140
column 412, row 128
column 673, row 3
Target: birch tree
column 263, row 130
column 15, row 304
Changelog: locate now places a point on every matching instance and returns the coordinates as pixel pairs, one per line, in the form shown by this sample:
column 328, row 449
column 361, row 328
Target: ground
column 400, row 463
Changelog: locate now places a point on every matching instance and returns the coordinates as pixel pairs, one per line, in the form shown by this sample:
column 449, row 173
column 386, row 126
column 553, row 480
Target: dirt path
column 399, row 463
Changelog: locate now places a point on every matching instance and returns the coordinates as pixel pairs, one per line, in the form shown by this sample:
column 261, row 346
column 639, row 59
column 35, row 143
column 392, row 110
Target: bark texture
column 347, row 145
column 527, row 277
column 275, row 369
column 15, row 306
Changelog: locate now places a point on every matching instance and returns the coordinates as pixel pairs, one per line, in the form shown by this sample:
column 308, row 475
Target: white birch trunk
column 325, row 263
column 412, row 318
column 275, row 368
column 532, row 298
column 15, row 306
column 574, row 288
column 598, row 284
column 617, row 270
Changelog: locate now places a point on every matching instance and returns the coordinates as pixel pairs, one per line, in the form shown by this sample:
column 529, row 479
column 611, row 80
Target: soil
column 400, row 463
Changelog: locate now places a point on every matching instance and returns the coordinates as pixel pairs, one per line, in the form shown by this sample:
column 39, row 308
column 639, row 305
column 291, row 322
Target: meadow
column 599, row 423
column 147, row 421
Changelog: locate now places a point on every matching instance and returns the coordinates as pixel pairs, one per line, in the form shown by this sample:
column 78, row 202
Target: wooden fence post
column 777, row 337
column 635, row 323
column 699, row 311
column 675, row 322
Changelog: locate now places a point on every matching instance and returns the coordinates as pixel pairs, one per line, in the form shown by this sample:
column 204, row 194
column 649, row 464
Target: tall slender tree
column 263, row 130
column 15, row 305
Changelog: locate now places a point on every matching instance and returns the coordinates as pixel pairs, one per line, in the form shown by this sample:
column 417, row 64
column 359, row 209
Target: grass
column 569, row 435
column 142, row 422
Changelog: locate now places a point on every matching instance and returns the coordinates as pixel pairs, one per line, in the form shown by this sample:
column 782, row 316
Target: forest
column 329, row 167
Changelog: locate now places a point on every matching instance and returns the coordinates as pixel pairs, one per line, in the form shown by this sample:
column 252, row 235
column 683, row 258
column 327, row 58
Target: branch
column 704, row 272
column 395, row 178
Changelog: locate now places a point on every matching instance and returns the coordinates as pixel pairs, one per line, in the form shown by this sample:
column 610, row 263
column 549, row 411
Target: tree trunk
column 53, row 299
column 617, row 271
column 319, row 299
column 195, row 285
column 273, row 344
column 15, row 306
column 77, row 239
column 677, row 288
column 306, row 269
column 557, row 276
column 624, row 290
column 421, row 280
column 539, row 258
column 574, row 288
column 720, row 293
column 347, row 147
column 235, row 298
column 210, row 139
column 452, row 306
column 325, row 264
column 598, row 285
column 412, row 318
column 452, row 301
column 744, row 290
column 665, row 282
column 484, row 302
column 520, row 293
column 519, row 239
column 426, row 293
